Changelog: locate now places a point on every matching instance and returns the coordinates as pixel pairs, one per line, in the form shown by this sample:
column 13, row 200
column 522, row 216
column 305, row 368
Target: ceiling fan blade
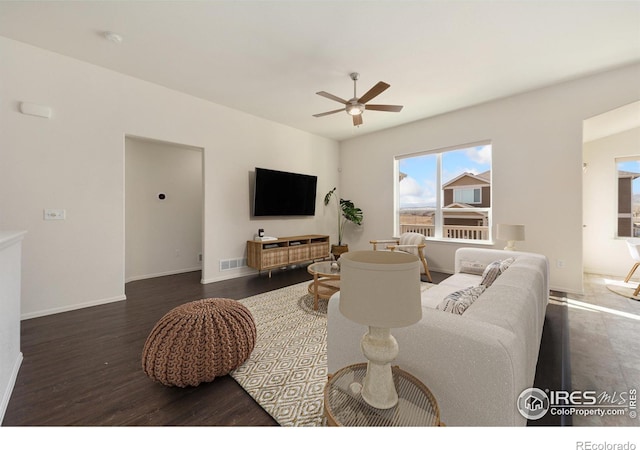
column 332, row 97
column 357, row 120
column 390, row 108
column 374, row 92
column 328, row 112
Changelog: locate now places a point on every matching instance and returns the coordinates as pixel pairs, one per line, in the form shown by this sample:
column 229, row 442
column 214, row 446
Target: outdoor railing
column 448, row 231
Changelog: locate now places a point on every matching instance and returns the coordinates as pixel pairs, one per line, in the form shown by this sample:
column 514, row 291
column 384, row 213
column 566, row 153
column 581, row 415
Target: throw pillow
column 505, row 263
column 472, row 267
column 490, row 274
column 458, row 302
column 494, row 270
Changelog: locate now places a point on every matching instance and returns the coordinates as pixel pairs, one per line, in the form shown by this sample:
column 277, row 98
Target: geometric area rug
column 287, row 370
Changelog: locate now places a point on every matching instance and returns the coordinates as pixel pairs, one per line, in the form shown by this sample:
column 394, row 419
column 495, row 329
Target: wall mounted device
column 32, row 109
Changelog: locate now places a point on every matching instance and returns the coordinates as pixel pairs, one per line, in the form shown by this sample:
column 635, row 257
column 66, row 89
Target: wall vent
column 234, row 263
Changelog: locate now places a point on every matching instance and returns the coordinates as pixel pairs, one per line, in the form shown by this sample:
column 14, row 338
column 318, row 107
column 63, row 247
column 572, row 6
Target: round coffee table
column 326, row 280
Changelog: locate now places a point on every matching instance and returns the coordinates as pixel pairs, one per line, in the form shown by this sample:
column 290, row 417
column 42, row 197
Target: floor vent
column 235, row 263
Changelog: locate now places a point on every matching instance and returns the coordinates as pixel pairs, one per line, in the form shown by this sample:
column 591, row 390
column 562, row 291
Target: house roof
column 625, row 174
column 483, row 178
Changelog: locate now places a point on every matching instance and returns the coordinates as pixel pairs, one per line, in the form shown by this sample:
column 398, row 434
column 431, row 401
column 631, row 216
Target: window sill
column 461, row 241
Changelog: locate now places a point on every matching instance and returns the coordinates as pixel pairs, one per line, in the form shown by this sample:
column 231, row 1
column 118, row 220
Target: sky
column 420, row 186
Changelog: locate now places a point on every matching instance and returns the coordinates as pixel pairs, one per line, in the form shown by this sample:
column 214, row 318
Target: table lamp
column 380, row 290
column 511, row 234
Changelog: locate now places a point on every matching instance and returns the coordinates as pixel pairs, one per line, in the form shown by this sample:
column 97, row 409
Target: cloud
column 412, row 193
column 480, row 154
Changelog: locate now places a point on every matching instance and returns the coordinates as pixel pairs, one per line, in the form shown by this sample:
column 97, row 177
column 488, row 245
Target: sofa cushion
column 433, row 296
column 493, row 271
column 458, row 302
column 472, row 267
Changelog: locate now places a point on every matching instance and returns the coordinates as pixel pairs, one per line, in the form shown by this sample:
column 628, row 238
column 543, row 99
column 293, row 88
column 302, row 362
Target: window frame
column 440, row 209
column 618, row 214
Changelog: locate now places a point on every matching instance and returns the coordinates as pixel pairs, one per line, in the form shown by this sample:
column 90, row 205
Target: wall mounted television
column 278, row 193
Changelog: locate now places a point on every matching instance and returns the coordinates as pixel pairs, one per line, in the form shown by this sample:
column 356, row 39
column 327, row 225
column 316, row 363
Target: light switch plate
column 55, row 214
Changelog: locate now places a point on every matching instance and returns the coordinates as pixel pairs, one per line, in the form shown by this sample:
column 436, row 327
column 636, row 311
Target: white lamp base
column 511, row 245
column 380, row 348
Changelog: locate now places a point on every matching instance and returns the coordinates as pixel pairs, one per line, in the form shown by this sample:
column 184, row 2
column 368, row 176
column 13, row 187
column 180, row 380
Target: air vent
column 234, row 263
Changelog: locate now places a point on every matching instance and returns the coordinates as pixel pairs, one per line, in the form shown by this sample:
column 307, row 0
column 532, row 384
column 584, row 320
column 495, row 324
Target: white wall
column 604, row 253
column 75, row 161
column 162, row 236
column 537, row 166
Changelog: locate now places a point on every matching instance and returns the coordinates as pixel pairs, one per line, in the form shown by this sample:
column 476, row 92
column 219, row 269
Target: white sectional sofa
column 476, row 363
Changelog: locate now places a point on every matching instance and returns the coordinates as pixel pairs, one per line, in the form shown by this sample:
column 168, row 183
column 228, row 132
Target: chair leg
column 426, row 266
column 633, row 269
column 426, row 270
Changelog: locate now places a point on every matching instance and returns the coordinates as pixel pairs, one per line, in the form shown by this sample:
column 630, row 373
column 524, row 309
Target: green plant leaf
column 327, row 198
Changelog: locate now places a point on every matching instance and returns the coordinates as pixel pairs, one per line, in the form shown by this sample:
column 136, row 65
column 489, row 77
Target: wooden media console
column 285, row 251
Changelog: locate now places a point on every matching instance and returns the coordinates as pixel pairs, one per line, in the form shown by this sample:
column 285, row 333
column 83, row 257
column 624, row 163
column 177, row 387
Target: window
column 445, row 194
column 471, row 196
column 628, row 180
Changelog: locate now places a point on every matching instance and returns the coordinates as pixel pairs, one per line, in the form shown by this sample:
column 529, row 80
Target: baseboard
column 235, row 274
column 162, row 274
column 48, row 312
column 9, row 388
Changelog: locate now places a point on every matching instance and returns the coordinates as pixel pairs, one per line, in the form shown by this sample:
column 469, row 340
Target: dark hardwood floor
column 83, row 367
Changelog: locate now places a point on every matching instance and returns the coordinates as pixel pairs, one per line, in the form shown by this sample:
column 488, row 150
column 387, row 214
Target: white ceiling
column 268, row 58
column 612, row 122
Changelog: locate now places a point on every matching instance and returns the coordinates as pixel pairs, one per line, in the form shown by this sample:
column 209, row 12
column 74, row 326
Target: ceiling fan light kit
column 356, row 106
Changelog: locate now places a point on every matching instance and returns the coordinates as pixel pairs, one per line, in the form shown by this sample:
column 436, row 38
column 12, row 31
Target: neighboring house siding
column 448, row 196
column 486, row 197
column 463, row 222
column 624, row 226
column 624, row 195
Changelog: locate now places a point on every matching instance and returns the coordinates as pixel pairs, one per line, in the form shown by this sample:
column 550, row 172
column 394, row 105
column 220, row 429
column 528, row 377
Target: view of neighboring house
column 467, row 191
column 466, row 202
column 628, row 212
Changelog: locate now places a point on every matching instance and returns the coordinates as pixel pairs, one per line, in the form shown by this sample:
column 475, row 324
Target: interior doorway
column 164, row 208
column 608, row 138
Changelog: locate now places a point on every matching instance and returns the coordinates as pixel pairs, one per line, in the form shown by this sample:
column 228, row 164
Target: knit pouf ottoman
column 198, row 341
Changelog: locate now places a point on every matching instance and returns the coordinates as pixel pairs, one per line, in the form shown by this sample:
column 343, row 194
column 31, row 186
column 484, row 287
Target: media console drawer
column 318, row 250
column 275, row 257
column 299, row 253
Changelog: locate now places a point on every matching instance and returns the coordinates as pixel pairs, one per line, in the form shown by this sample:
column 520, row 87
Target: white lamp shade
column 380, row 289
column 510, row 232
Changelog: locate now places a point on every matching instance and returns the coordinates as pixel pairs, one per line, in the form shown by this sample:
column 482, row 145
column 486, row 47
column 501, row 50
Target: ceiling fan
column 356, row 106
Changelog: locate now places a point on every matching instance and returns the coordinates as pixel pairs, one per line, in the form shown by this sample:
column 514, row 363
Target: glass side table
column 326, row 280
column 344, row 406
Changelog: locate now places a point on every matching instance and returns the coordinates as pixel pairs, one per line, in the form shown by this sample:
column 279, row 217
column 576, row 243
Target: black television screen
column 278, row 193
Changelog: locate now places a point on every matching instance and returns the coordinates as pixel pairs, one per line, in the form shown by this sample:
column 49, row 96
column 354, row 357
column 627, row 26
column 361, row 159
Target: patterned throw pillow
column 494, row 270
column 472, row 267
column 505, row 263
column 458, row 302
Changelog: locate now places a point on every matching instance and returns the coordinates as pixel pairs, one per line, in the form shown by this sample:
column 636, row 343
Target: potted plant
column 347, row 212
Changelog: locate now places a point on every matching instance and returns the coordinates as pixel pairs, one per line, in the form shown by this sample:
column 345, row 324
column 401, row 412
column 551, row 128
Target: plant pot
column 337, row 250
